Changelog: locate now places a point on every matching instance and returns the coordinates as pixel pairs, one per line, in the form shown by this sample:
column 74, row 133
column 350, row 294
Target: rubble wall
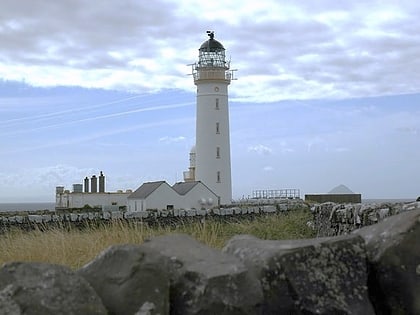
column 373, row 270
column 332, row 219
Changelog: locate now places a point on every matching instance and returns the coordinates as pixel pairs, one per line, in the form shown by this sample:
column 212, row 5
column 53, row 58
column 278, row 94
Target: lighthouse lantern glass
column 214, row 58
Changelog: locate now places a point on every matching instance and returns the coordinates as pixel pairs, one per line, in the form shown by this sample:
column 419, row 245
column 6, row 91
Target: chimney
column 94, row 184
column 86, row 184
column 101, row 182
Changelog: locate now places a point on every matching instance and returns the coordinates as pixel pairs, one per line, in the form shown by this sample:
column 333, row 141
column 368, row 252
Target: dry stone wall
column 331, row 219
column 373, row 270
column 81, row 218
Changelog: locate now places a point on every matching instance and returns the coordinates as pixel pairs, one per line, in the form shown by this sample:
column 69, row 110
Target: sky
column 327, row 93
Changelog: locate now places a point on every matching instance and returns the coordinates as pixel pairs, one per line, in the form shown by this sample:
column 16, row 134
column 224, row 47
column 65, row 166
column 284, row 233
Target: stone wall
column 339, row 198
column 84, row 218
column 332, row 219
column 373, row 270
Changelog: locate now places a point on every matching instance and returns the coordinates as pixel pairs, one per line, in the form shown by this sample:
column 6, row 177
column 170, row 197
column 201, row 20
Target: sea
column 27, row 206
column 32, row 206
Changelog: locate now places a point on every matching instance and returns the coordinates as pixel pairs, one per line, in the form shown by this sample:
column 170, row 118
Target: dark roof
column 145, row 190
column 183, row 187
column 211, row 45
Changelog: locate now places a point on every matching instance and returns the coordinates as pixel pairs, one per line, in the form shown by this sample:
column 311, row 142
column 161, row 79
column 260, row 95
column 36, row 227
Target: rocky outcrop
column 130, row 279
column 205, row 280
column 393, row 251
column 315, row 276
column 374, row 270
column 40, row 288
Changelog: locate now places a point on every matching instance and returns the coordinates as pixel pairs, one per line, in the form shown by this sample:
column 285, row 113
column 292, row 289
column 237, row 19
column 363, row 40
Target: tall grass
column 75, row 247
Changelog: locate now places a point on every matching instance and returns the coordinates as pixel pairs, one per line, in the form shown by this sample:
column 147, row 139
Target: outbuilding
column 195, row 195
column 161, row 196
column 153, row 195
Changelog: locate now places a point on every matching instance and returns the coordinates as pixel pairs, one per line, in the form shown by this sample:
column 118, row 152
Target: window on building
column 218, row 176
column 218, row 153
column 217, row 128
column 217, row 103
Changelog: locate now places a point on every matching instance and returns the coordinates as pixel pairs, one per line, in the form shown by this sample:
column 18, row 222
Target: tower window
column 218, row 153
column 217, row 103
column 218, row 176
column 217, row 128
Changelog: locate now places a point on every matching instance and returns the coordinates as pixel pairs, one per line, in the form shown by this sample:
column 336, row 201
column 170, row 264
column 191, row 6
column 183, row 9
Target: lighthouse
column 210, row 158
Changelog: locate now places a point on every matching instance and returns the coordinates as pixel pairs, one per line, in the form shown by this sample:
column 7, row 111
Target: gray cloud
column 288, row 50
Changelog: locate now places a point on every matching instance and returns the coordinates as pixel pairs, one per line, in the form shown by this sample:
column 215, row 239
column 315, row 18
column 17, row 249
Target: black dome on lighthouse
column 211, row 44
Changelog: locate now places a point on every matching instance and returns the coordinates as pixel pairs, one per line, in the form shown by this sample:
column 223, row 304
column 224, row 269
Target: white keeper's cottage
column 161, row 196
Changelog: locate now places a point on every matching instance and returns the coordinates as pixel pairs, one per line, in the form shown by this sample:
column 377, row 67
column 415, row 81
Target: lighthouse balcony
column 212, row 74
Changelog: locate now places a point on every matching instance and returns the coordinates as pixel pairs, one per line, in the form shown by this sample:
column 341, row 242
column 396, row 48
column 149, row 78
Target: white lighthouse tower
column 212, row 150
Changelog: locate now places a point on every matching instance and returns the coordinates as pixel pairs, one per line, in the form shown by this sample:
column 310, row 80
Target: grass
column 75, row 247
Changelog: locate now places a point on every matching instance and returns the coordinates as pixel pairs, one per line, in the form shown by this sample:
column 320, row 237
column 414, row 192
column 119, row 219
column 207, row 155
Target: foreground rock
column 393, row 248
column 205, row 280
column 45, row 289
column 130, row 279
column 316, row 276
column 175, row 274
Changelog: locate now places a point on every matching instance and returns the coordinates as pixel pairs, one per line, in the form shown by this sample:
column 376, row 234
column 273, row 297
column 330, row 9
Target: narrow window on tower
column 218, row 153
column 218, row 176
column 217, row 128
column 217, row 103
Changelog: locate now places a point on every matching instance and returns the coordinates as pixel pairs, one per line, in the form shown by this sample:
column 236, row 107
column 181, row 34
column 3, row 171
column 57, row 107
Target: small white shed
column 154, row 195
column 195, row 195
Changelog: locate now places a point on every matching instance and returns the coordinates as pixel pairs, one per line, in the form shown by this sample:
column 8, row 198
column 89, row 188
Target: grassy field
column 75, row 247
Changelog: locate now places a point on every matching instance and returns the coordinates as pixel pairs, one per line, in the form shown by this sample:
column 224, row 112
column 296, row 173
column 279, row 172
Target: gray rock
column 44, row 289
column 205, row 280
column 7, row 305
column 130, row 279
column 393, row 248
column 314, row 276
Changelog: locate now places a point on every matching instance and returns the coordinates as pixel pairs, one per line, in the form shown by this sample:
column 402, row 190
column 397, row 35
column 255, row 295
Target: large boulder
column 393, row 249
column 7, row 305
column 46, row 289
column 313, row 276
column 205, row 280
column 130, row 279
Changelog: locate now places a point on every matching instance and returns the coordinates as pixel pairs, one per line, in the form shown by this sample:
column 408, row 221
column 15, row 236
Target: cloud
column 341, row 149
column 409, row 130
column 260, row 149
column 169, row 140
column 33, row 183
column 268, row 169
column 287, row 50
column 92, row 118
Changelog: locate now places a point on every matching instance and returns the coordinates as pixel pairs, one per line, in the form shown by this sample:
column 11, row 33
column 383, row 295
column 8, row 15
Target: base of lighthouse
column 213, row 165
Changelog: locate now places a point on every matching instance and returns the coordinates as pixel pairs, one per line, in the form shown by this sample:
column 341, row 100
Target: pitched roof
column 183, row 187
column 145, row 190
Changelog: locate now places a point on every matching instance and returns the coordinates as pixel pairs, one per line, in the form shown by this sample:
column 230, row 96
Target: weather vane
column 210, row 34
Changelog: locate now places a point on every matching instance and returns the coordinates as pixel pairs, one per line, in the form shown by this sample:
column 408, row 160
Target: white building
column 195, row 195
column 105, row 200
column 90, row 196
column 161, row 196
column 210, row 159
column 153, row 195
